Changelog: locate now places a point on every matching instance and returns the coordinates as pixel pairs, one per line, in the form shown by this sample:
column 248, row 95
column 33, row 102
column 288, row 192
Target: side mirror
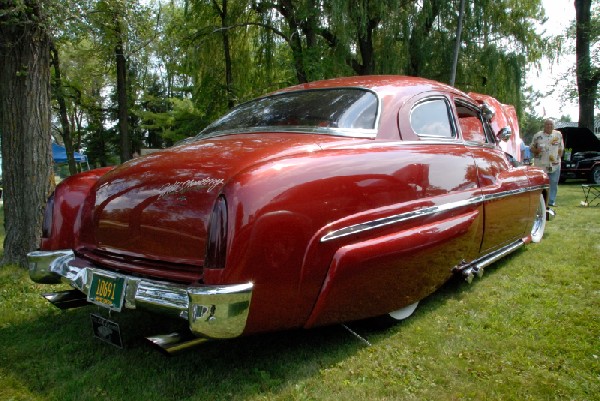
column 505, row 134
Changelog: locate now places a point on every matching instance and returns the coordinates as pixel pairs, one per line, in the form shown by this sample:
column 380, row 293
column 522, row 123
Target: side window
column 470, row 124
column 431, row 119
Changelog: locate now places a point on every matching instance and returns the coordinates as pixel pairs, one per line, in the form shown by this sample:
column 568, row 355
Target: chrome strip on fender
column 398, row 218
column 423, row 212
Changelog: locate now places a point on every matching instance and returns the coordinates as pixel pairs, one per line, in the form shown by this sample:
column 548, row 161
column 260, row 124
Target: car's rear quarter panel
column 281, row 210
column 69, row 198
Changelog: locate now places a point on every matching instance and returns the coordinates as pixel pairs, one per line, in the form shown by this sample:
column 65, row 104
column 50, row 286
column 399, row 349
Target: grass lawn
column 528, row 330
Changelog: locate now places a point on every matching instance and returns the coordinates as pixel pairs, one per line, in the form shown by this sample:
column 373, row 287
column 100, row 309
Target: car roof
column 382, row 84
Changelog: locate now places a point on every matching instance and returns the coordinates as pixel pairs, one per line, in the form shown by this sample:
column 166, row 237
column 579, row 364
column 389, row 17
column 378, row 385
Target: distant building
column 565, row 124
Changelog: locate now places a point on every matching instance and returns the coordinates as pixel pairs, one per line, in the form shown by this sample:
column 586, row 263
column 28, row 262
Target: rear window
column 344, row 111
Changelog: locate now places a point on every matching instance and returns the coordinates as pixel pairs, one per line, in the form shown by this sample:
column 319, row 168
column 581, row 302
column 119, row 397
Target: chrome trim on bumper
column 212, row 311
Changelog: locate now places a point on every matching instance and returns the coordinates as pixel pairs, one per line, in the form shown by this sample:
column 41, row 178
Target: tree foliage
column 129, row 75
column 182, row 63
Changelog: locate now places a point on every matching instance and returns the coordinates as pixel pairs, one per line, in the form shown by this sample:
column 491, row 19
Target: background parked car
column 582, row 155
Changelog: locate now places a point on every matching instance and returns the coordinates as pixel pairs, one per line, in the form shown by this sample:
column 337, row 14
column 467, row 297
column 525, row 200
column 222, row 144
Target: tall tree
column 300, row 26
column 588, row 75
column 122, row 105
column 117, row 30
column 25, row 124
column 57, row 87
column 461, row 14
column 223, row 12
column 418, row 45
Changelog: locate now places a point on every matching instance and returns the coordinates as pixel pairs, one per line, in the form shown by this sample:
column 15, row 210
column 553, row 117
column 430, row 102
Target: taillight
column 48, row 214
column 216, row 244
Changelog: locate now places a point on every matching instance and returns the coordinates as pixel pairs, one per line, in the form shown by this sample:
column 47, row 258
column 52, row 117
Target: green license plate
column 107, row 291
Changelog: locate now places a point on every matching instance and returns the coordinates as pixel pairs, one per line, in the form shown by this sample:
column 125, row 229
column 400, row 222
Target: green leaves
column 215, row 54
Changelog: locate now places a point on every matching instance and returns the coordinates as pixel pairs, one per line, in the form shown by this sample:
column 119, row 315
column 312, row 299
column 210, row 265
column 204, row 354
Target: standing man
column 547, row 147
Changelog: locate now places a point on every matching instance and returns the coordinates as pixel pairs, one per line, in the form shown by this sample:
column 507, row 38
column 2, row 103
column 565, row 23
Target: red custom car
column 322, row 203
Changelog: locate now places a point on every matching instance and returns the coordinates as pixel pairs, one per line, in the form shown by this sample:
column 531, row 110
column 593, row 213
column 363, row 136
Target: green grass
column 528, row 330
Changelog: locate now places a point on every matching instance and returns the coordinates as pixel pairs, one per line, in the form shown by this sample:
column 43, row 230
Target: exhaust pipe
column 468, row 274
column 171, row 344
column 66, row 299
column 478, row 270
column 469, row 270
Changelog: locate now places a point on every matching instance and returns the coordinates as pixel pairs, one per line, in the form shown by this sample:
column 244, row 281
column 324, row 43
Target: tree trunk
column 587, row 77
column 419, row 33
column 122, row 94
column 459, row 25
column 62, row 109
column 223, row 14
column 25, row 126
column 286, row 8
column 365, row 46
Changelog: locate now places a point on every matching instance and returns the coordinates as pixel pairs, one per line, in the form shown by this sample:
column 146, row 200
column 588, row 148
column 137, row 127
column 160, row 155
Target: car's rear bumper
column 212, row 311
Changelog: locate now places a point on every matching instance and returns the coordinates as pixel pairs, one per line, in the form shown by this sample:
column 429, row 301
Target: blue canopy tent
column 59, row 153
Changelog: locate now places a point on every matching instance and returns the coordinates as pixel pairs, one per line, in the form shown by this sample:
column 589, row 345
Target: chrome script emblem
column 181, row 187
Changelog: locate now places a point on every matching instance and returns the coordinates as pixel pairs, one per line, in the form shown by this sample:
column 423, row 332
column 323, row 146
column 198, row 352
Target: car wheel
column 539, row 222
column 403, row 313
column 595, row 175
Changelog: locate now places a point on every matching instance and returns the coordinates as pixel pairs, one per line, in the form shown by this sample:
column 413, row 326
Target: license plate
column 106, row 330
column 107, row 291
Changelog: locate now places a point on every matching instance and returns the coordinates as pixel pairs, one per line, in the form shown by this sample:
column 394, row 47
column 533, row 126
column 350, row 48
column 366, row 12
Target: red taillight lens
column 216, row 244
column 48, row 214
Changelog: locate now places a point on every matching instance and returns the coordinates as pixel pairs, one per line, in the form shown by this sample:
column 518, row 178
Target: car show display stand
column 591, row 193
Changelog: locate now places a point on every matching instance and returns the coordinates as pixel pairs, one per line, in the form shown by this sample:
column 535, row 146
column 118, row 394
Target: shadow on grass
column 54, row 355
column 57, row 357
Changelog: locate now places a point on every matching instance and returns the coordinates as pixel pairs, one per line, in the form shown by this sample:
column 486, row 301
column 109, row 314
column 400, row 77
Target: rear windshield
column 343, row 111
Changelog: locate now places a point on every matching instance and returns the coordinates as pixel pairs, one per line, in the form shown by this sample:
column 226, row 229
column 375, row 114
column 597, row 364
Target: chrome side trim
column 505, row 194
column 213, row 311
column 475, row 144
column 398, row 218
column 423, row 212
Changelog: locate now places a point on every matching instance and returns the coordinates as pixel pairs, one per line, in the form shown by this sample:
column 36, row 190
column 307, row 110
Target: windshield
column 338, row 111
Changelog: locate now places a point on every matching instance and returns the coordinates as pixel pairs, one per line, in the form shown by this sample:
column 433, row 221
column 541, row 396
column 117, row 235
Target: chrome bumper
column 212, row 311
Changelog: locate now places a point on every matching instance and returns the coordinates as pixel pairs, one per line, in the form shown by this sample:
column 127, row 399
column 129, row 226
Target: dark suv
column 584, row 161
column 582, row 165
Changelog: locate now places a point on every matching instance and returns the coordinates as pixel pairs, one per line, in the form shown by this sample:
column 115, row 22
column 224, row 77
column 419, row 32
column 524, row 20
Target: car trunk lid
column 151, row 213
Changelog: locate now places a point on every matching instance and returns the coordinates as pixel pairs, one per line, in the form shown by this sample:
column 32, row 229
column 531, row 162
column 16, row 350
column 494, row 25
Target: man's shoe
column 551, row 204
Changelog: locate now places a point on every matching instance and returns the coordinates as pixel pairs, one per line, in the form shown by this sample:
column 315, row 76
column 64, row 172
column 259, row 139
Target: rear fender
column 383, row 274
column 69, row 198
